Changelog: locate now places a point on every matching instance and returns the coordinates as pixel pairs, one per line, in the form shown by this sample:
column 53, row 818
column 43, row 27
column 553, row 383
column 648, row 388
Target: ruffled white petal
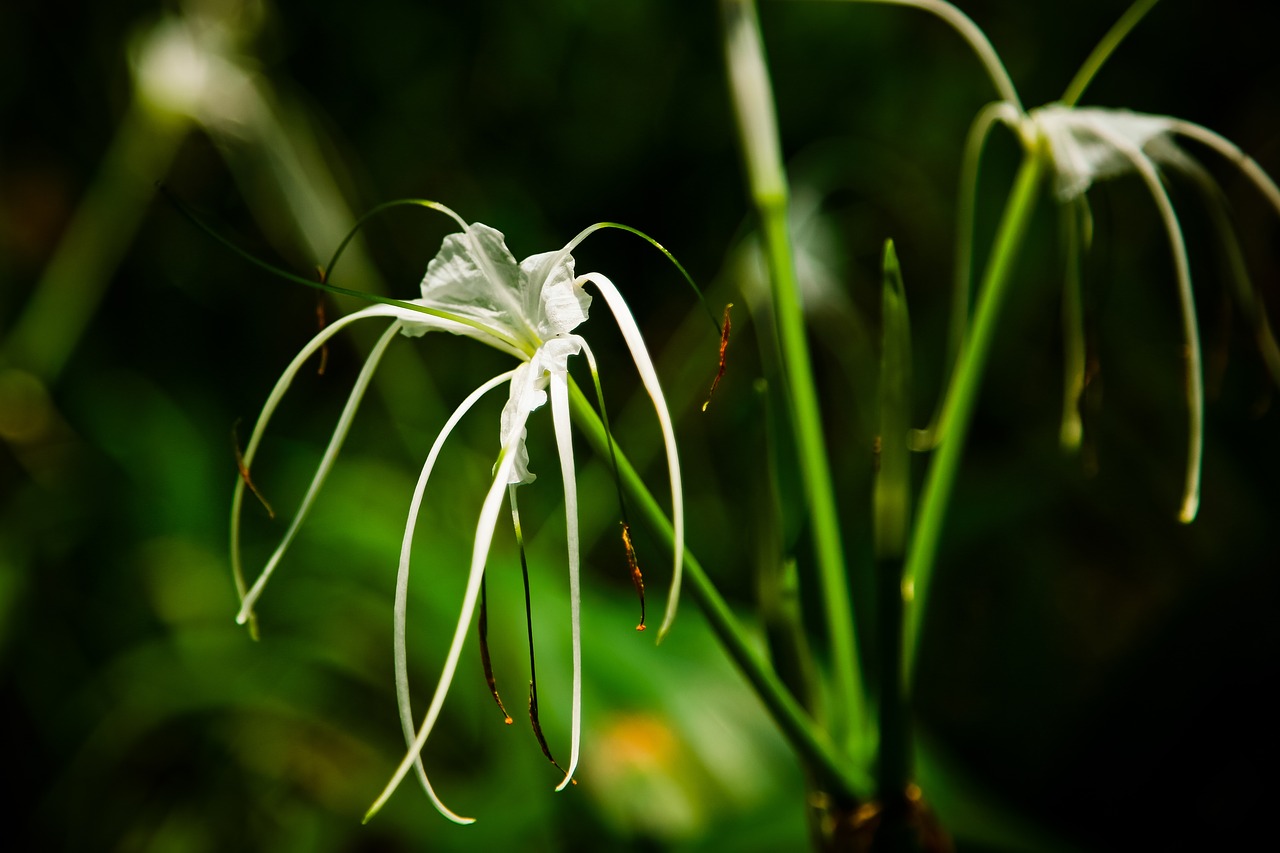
column 552, row 300
column 1091, row 145
column 525, row 395
column 476, row 276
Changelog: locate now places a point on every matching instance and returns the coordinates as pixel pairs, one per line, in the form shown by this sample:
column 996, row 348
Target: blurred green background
column 1091, row 669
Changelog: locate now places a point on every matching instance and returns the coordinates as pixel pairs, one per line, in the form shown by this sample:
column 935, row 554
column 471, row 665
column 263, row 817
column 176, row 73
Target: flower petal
column 564, row 444
column 1091, row 145
column 526, row 394
column 402, row 587
column 644, row 366
column 479, row 555
column 551, row 297
column 476, row 276
column 1124, row 145
column 248, row 597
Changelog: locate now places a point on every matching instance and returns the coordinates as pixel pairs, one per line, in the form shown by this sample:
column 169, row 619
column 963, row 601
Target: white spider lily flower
column 1087, row 145
column 475, row 288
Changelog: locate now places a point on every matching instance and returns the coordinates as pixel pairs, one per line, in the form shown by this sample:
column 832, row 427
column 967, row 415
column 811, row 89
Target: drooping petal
column 649, row 377
column 564, row 444
column 249, row 596
column 402, row 587
column 479, row 555
column 1255, row 173
column 1125, row 146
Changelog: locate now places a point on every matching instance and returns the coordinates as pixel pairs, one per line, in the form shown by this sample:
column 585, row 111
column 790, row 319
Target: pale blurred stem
column 757, row 126
column 810, row 742
column 100, row 232
column 963, row 394
column 891, row 500
column 1073, row 342
column 1242, row 286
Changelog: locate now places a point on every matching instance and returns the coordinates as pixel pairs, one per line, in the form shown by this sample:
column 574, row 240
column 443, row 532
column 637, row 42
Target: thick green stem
column 753, row 99
column 824, row 758
column 963, row 394
column 815, row 470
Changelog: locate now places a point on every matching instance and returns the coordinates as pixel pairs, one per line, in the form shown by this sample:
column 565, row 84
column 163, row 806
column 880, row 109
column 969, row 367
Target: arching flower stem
column 962, row 395
column 828, row 760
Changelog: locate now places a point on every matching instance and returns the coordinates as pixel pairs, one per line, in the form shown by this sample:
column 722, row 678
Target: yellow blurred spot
column 640, row 742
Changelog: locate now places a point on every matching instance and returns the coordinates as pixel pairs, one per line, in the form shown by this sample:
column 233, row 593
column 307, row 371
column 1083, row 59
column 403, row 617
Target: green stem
column 963, row 393
column 76, row 278
column 753, row 99
column 1100, row 54
column 891, row 502
column 815, row 468
column 818, row 752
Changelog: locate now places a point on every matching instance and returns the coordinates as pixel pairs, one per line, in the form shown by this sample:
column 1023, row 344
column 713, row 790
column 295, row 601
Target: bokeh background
column 1093, row 675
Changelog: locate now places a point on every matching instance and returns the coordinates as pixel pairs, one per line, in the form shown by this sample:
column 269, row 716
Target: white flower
column 475, row 288
column 1087, row 145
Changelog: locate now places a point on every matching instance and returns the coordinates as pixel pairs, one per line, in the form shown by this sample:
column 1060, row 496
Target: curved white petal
column 402, row 587
column 1124, row 145
column 564, row 444
column 1228, row 149
column 644, row 366
column 248, row 597
column 479, row 554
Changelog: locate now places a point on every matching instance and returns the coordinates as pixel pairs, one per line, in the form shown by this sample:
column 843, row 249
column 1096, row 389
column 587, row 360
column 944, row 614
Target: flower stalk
column 827, row 758
column 962, row 394
column 757, row 128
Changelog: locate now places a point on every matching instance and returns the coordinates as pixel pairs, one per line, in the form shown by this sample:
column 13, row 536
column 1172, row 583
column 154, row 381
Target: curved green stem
column 1115, row 35
column 971, row 33
column 819, row 753
column 963, row 394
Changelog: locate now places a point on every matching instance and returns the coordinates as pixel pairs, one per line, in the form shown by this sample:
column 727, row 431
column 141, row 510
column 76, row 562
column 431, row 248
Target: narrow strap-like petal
column 644, row 366
column 564, row 444
column 479, row 554
column 248, row 597
column 1228, row 149
column 1186, row 303
column 402, row 586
